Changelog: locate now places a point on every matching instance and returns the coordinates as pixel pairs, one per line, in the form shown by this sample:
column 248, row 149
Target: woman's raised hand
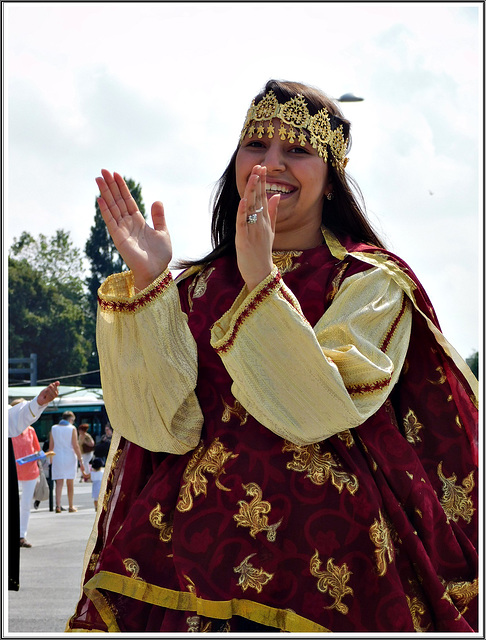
column 147, row 251
column 254, row 241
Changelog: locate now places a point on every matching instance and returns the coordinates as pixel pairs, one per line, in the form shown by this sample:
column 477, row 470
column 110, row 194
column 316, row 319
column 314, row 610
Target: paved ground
column 50, row 572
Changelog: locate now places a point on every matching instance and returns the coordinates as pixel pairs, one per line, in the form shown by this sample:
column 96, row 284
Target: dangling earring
column 330, row 196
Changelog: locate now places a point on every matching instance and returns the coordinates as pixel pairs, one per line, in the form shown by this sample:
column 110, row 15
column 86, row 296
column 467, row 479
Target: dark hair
column 96, row 463
column 343, row 215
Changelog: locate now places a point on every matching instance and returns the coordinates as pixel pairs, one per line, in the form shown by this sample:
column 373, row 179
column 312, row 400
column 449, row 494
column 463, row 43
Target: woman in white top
column 63, row 440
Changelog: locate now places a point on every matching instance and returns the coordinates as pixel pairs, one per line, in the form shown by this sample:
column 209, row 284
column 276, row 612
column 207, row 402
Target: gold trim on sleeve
column 116, row 301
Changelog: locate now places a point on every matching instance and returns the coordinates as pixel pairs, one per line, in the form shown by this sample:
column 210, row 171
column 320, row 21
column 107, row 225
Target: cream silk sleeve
column 308, row 383
column 148, row 363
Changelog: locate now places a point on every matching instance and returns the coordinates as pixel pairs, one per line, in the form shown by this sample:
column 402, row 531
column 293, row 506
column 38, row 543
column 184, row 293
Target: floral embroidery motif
column 333, row 581
column 336, row 282
column 93, row 561
column 156, row 518
column 347, row 437
column 191, row 587
column 236, row 410
column 106, row 499
column 442, row 376
column 455, row 500
column 417, row 609
column 211, row 460
column 132, row 567
column 380, row 536
column 319, row 467
column 253, row 514
column 251, row 577
column 196, row 625
column 193, row 624
column 283, row 260
column 412, row 427
column 199, row 285
column 460, row 594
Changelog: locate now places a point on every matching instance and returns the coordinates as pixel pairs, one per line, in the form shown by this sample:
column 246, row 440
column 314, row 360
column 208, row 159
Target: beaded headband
column 295, row 114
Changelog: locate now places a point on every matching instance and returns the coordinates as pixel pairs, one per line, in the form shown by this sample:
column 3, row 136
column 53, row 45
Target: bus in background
column 86, row 404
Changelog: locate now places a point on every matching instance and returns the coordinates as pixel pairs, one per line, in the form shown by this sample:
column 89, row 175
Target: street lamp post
column 350, row 97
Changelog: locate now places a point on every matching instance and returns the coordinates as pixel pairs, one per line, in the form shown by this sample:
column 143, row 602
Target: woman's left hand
column 254, row 242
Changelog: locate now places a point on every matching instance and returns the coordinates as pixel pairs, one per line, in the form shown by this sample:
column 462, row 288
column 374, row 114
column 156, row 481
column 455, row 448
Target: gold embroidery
column 455, row 500
column 442, row 376
column 107, row 494
column 347, row 437
column 106, row 499
column 333, row 580
column 191, row 587
column 193, row 624
column 458, row 422
column 283, row 260
column 252, row 514
column 380, row 536
column 93, row 561
column 236, row 410
column 165, row 528
column 417, row 609
column 460, row 594
column 203, row 461
column 336, row 282
column 198, row 286
column 132, row 567
column 251, row 577
column 412, row 427
column 319, row 466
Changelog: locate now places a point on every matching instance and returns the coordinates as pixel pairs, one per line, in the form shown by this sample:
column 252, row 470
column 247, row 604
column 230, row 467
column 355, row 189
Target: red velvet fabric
column 352, row 531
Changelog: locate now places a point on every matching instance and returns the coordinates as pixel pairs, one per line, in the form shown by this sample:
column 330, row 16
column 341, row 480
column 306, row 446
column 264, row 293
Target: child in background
column 96, row 476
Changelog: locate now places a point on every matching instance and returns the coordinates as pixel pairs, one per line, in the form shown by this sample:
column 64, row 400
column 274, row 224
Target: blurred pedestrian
column 63, row 440
column 25, row 444
column 20, row 416
column 86, row 444
column 103, row 446
column 96, row 476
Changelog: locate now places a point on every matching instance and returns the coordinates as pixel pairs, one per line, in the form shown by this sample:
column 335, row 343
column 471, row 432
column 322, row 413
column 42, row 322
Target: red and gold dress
column 299, row 458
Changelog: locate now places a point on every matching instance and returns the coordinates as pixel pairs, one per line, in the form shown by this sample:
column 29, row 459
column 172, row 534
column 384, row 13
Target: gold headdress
column 295, row 114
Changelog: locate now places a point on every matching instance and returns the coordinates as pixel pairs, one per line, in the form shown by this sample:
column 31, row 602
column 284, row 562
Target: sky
column 159, row 93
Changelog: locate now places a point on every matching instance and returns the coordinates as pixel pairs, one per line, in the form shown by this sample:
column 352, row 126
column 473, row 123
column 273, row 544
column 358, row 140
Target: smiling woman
column 294, row 440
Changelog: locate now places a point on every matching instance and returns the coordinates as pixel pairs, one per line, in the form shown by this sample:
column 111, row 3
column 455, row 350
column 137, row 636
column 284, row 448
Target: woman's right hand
column 147, row 251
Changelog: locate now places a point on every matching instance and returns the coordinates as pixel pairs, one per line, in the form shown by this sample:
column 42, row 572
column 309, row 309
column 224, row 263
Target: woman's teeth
column 277, row 188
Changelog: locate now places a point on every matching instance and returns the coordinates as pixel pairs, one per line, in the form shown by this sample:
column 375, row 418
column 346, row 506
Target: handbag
column 41, row 491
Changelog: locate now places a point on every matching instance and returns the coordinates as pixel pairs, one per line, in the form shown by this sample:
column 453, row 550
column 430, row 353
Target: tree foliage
column 60, row 263
column 42, row 319
column 52, row 304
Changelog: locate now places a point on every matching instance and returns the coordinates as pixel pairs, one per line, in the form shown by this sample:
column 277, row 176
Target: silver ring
column 252, row 218
column 259, row 210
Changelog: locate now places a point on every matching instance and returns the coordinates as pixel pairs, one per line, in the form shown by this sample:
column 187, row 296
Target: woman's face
column 296, row 172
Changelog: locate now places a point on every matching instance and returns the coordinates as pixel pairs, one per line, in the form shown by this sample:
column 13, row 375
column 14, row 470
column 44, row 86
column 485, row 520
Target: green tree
column 47, row 318
column 473, row 362
column 59, row 262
